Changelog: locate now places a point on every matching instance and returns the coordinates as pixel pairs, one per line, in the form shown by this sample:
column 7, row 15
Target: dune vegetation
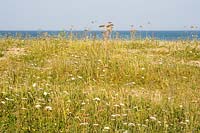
column 64, row 85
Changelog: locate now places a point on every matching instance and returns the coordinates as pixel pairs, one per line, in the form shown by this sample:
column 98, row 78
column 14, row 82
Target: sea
column 126, row 35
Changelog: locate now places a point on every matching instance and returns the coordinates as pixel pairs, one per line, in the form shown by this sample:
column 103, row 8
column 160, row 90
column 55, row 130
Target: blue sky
column 61, row 14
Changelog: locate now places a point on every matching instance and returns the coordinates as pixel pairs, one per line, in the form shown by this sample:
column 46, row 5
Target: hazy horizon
column 23, row 15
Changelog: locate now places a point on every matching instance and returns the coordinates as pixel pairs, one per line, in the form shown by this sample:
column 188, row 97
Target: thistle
column 107, row 30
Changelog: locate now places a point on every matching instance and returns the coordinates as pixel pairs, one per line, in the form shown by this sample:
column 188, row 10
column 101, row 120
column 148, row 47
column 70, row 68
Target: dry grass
column 59, row 85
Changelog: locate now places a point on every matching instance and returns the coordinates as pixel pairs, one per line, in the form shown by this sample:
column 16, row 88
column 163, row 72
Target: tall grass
column 65, row 85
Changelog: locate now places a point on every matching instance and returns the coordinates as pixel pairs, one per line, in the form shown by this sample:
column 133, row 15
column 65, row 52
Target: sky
column 62, row 14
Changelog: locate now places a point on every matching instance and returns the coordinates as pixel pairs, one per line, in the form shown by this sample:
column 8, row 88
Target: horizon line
column 102, row 30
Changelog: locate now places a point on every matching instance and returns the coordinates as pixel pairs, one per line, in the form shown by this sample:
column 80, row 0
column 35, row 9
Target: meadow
column 93, row 86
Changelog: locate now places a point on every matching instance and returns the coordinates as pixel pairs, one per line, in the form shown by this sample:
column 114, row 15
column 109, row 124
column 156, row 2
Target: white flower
column 106, row 128
column 116, row 105
column 130, row 84
column 3, row 102
column 45, row 93
column 83, row 103
column 24, row 98
column 187, row 121
column 79, row 77
column 72, row 78
column 115, row 115
column 131, row 124
column 153, row 118
column 144, row 125
column 121, row 104
column 23, row 108
column 96, row 99
column 34, row 85
column 95, row 124
column 83, row 124
column 124, row 115
column 48, row 108
column 9, row 99
column 37, row 106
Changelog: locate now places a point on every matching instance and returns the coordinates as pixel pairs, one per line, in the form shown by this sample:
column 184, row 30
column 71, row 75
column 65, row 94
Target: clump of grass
column 66, row 85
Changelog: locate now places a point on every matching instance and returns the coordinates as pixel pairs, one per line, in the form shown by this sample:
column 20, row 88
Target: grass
column 58, row 85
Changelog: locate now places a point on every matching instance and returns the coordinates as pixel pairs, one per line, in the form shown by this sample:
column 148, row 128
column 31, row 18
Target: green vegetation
column 59, row 85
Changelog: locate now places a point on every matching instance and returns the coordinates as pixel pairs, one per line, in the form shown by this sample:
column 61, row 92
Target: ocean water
column 160, row 35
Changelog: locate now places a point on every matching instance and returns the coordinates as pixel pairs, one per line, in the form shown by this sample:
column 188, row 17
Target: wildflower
column 124, row 115
column 131, row 124
column 48, row 108
column 65, row 92
column 116, row 115
column 72, row 78
column 23, row 108
column 121, row 104
column 169, row 98
column 183, row 123
column 34, row 85
column 143, row 68
column 83, row 103
column 106, row 128
column 24, row 98
column 96, row 99
column 143, row 125
column 95, row 125
column 3, row 102
column 79, row 77
column 187, row 121
column 116, row 105
column 153, row 118
column 131, row 83
column 9, row 99
column 37, row 106
column 181, row 106
column 45, row 93
column 83, row 124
